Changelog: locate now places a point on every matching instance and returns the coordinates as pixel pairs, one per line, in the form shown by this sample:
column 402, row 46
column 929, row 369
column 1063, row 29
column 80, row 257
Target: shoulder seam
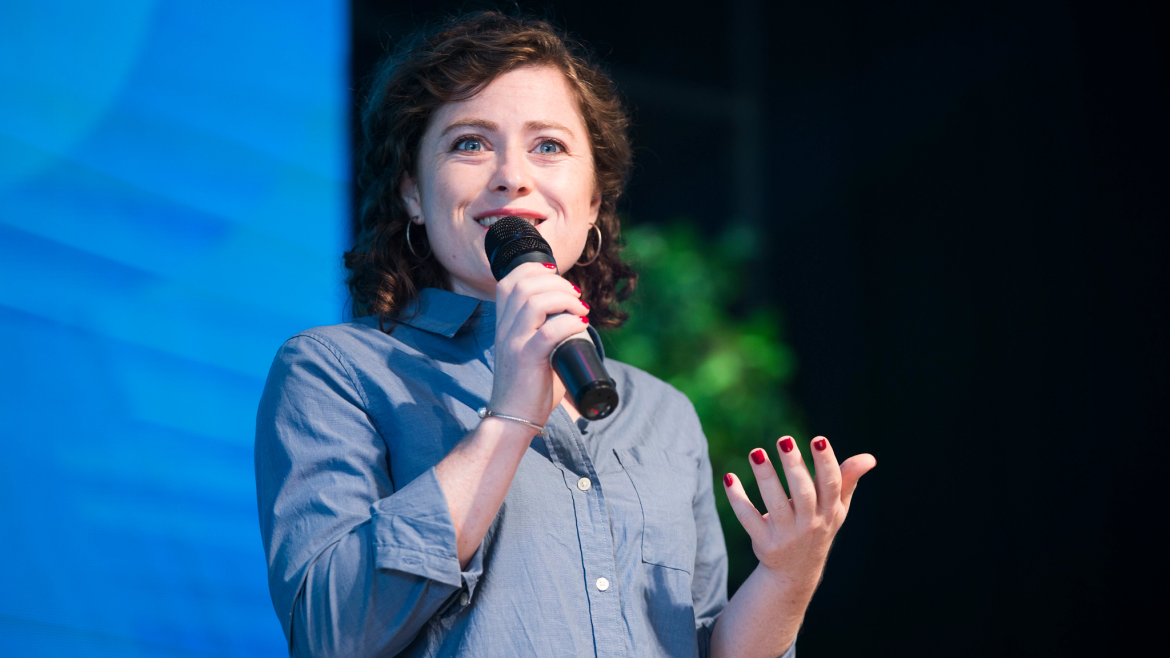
column 345, row 365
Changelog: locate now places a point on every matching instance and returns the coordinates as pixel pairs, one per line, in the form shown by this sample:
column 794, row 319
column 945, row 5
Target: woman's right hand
column 525, row 385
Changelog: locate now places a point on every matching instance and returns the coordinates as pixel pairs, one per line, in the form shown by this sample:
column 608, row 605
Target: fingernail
column 727, row 480
column 786, row 444
column 758, row 455
column 585, row 305
column 584, row 319
column 820, row 444
column 549, row 266
column 576, row 288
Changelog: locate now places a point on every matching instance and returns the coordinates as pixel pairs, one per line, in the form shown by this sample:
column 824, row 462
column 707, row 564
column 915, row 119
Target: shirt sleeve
column 709, row 582
column 709, row 585
column 356, row 565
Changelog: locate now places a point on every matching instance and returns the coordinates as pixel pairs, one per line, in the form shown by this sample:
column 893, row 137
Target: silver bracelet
column 483, row 412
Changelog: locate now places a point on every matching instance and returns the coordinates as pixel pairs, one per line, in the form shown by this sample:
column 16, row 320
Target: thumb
column 851, row 471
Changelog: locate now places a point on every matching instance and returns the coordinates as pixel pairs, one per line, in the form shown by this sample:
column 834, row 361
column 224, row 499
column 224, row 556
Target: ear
column 411, row 197
column 594, row 206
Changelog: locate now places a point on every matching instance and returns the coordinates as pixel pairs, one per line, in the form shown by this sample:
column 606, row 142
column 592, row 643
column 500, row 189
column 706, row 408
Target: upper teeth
column 492, row 219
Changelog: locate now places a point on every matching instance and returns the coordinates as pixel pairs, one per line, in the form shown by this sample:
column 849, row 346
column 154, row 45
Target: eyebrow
column 482, row 124
column 491, row 126
column 533, row 126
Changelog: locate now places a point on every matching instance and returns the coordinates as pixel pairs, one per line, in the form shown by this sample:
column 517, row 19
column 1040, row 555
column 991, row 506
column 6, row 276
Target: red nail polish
column 727, row 481
column 576, row 288
column 584, row 319
column 820, row 444
column 549, row 266
column 585, row 305
column 758, row 455
column 786, row 444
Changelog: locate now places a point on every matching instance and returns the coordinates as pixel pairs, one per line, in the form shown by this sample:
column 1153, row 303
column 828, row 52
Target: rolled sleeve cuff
column 414, row 534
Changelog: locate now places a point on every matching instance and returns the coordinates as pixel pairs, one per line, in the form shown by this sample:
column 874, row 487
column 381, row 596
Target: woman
column 396, row 520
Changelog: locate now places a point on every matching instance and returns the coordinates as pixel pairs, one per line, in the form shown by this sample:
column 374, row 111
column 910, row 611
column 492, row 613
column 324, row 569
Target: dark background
column 963, row 215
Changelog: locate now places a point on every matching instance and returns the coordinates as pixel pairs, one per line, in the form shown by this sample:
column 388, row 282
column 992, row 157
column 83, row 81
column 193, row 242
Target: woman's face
column 518, row 147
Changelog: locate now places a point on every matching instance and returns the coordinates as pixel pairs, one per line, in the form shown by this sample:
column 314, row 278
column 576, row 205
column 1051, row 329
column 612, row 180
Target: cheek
column 446, row 190
column 575, row 189
column 452, row 186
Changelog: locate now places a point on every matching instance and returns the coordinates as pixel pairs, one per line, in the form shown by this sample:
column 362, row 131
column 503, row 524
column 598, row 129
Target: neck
column 461, row 288
column 569, row 408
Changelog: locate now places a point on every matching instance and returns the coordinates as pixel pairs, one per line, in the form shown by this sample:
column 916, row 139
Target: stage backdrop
column 173, row 206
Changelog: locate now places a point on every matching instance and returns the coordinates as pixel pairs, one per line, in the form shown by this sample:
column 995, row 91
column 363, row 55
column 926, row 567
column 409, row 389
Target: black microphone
column 510, row 242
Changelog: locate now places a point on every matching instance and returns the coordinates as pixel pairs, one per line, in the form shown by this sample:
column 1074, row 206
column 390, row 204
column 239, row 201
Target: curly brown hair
column 450, row 63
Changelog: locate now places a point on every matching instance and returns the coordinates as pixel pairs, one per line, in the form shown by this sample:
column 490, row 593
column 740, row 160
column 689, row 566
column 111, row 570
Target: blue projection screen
column 173, row 206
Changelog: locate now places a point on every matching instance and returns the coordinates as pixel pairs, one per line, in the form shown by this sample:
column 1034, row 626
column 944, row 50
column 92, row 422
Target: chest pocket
column 665, row 484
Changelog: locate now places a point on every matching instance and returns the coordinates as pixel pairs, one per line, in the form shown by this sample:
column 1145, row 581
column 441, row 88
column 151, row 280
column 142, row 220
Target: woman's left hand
column 792, row 540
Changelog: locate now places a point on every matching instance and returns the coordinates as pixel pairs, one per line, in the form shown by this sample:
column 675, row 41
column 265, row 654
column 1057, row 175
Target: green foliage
column 732, row 365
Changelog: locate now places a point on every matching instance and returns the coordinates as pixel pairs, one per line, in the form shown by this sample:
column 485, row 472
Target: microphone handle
column 576, row 361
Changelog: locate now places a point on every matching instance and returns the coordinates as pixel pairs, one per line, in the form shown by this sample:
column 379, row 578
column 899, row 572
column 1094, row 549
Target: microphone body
column 511, row 242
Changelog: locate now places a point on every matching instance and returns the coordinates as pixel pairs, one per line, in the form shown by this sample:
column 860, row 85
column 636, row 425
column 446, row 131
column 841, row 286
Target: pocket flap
column 665, row 484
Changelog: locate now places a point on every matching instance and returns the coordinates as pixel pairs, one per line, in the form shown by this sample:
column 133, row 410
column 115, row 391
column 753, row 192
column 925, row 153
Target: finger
column 851, row 471
column 540, row 309
column 800, row 485
column 770, row 488
column 507, row 285
column 828, row 480
column 749, row 517
column 525, row 270
column 538, row 281
column 557, row 329
column 537, row 309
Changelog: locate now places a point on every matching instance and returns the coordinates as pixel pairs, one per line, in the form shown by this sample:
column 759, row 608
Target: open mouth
column 487, row 220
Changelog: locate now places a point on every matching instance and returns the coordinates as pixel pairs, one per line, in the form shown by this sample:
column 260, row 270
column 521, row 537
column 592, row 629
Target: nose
column 513, row 176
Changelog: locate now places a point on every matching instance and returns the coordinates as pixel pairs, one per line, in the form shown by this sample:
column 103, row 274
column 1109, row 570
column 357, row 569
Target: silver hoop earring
column 410, row 245
column 596, row 253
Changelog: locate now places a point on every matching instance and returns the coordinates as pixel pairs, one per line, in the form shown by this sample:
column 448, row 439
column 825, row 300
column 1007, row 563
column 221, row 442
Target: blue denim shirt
column 607, row 543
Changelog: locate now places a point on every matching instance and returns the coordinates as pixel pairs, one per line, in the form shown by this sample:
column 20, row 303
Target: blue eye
column 550, row 146
column 468, row 145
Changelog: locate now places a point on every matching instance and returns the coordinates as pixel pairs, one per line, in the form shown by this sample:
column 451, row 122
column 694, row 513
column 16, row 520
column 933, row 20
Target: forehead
column 530, row 93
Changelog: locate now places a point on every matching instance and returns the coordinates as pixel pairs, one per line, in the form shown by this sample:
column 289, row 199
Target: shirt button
column 602, row 584
column 583, row 484
column 464, row 598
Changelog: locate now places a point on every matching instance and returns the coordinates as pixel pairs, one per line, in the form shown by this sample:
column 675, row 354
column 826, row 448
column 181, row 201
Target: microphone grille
column 510, row 237
column 505, row 229
column 509, row 251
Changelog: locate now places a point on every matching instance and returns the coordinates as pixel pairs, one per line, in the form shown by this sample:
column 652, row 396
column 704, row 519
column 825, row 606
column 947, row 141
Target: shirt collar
column 443, row 312
column 440, row 311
